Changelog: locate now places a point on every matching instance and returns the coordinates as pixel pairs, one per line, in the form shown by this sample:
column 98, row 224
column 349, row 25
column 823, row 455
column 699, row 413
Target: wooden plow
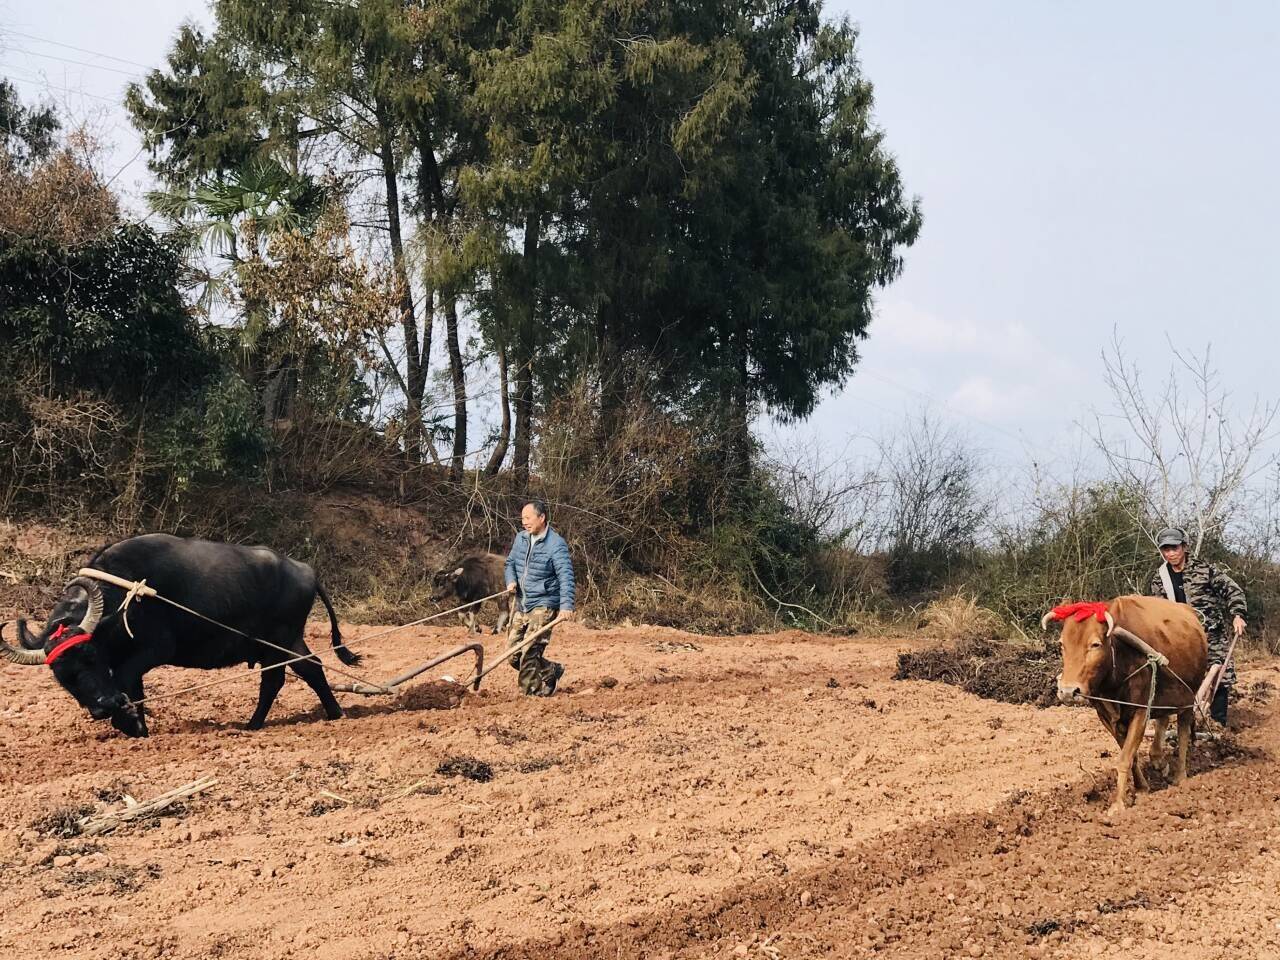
column 393, row 685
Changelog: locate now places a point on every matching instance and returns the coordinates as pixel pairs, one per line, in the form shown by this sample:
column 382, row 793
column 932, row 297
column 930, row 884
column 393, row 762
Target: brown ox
column 1107, row 659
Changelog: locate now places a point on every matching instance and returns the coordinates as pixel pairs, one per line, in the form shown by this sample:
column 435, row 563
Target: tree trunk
column 431, row 192
column 524, row 354
column 428, row 328
column 504, row 434
column 608, row 373
column 740, row 419
column 459, row 377
column 415, row 362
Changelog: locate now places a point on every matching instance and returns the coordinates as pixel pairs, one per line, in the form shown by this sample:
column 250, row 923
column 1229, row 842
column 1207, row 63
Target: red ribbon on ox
column 1081, row 611
column 65, row 645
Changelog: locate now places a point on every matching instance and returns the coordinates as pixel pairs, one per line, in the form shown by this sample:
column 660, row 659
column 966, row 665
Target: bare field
column 771, row 796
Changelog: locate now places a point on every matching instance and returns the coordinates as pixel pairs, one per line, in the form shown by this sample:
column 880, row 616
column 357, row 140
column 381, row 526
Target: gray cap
column 1171, row 537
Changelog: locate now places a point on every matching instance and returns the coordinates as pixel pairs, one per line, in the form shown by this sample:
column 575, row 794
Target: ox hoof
column 1177, row 779
column 1115, row 811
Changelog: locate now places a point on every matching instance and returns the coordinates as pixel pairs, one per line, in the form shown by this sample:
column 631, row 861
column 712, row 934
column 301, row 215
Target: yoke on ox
column 99, row 647
column 1134, row 658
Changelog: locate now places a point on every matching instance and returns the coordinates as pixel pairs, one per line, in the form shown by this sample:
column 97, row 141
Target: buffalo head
column 82, row 668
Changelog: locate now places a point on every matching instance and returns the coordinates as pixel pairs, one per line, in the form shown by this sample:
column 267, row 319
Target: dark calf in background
column 472, row 578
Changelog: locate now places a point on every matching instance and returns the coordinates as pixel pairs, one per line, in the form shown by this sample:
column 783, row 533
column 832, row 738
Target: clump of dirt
column 506, row 736
column 1042, row 928
column 113, row 792
column 433, row 695
column 322, row 805
column 1260, row 691
column 119, row 879
column 1009, row 673
column 1222, row 750
column 463, row 766
column 63, row 820
column 674, row 646
column 536, row 764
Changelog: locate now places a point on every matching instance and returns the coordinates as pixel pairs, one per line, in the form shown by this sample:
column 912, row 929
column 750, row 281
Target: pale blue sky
column 1083, row 166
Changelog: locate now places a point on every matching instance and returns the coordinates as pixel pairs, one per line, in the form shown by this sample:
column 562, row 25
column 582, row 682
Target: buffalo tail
column 346, row 656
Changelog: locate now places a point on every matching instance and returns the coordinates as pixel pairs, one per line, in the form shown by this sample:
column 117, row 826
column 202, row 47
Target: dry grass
column 958, row 617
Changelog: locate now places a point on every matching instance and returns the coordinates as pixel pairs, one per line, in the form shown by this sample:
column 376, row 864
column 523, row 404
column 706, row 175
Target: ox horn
column 93, row 616
column 28, row 640
column 1044, row 621
column 28, row 658
column 1111, row 624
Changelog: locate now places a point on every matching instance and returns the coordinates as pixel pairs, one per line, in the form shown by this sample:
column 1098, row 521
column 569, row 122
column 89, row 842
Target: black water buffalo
column 88, row 645
column 473, row 578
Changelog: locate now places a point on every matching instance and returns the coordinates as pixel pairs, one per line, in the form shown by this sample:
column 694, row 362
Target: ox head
column 1087, row 630
column 81, row 667
column 444, row 585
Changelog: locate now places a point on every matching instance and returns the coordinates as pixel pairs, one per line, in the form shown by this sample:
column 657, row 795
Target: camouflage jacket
column 1208, row 590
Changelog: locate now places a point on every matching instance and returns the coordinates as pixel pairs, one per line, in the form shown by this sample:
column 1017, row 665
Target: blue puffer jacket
column 544, row 573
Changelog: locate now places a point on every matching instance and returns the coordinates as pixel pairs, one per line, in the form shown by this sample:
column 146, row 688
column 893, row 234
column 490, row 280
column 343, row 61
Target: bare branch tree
column 1182, row 451
column 935, row 484
column 830, row 492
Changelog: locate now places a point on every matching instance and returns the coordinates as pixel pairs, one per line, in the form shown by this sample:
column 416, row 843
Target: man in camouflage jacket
column 1184, row 578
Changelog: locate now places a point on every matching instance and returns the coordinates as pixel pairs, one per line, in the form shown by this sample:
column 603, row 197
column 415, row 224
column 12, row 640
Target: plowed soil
column 773, row 797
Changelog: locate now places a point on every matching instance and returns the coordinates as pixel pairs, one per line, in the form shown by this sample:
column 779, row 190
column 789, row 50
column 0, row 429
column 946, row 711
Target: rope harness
column 136, row 590
column 1154, row 661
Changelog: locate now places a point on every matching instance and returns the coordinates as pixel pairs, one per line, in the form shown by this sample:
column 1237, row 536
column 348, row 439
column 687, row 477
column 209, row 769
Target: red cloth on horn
column 66, row 645
column 1081, row 611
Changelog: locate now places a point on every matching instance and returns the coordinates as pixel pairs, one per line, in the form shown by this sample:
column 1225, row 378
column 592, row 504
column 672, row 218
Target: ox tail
column 348, row 657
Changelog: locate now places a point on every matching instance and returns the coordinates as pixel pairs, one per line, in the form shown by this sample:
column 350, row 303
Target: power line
column 69, row 46
column 48, row 84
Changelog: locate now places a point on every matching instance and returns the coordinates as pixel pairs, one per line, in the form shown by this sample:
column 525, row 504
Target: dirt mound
column 468, row 767
column 1006, row 672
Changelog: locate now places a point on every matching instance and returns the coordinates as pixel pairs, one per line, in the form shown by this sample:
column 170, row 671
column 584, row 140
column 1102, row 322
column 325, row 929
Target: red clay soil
column 773, row 797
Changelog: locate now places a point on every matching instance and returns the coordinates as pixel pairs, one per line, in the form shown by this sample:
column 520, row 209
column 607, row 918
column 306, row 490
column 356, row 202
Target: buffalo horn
column 28, row 658
column 93, row 616
column 28, row 640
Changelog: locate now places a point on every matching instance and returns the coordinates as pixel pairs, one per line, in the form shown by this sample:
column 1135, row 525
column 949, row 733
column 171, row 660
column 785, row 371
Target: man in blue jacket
column 539, row 572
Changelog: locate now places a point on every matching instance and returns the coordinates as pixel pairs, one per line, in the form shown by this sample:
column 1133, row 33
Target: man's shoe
column 550, row 678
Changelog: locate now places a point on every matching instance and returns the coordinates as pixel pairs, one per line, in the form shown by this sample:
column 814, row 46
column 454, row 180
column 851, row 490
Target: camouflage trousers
column 1218, row 643
column 537, row 675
